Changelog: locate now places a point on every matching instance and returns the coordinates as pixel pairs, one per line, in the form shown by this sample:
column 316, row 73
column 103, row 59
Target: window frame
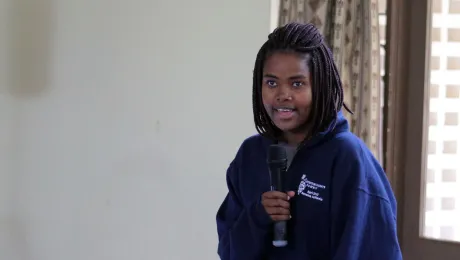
column 406, row 99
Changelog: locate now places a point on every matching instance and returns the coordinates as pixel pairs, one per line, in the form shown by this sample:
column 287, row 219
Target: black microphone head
column 277, row 154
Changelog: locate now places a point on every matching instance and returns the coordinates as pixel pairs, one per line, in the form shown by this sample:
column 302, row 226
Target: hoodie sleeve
column 369, row 231
column 242, row 230
column 364, row 211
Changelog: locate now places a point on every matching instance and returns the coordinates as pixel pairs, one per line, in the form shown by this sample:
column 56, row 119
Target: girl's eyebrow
column 291, row 78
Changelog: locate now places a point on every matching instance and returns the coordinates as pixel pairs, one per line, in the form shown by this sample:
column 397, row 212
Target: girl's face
column 286, row 91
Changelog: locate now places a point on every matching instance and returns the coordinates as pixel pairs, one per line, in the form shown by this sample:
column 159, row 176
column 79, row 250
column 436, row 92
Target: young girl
column 339, row 203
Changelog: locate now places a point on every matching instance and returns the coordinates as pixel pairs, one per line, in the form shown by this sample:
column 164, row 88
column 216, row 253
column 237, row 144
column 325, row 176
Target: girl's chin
column 291, row 127
column 285, row 127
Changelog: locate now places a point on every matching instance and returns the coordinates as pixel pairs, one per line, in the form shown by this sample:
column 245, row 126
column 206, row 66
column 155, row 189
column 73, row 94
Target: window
column 441, row 216
column 425, row 67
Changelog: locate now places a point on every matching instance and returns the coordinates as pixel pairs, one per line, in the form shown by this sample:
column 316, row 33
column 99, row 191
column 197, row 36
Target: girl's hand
column 277, row 205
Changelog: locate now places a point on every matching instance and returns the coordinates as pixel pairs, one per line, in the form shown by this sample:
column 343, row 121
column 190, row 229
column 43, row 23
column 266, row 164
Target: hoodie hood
column 338, row 125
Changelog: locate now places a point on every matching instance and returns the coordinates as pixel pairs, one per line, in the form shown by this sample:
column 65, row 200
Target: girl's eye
column 297, row 84
column 271, row 83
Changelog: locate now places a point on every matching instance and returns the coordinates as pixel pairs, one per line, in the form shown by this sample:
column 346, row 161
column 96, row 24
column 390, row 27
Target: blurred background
column 118, row 119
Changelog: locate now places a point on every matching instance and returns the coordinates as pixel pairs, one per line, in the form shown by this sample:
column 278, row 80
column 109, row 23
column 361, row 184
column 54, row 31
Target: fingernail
column 288, row 198
column 290, row 216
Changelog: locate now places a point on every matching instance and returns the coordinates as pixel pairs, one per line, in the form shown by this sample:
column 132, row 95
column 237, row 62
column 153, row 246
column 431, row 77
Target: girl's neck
column 294, row 139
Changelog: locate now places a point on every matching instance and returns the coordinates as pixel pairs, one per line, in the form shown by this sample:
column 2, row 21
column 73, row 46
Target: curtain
column 351, row 29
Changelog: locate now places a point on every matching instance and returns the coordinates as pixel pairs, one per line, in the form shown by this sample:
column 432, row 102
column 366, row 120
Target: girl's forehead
column 286, row 62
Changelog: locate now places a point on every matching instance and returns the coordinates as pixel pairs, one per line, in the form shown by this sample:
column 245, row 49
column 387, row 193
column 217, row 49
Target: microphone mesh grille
column 276, row 152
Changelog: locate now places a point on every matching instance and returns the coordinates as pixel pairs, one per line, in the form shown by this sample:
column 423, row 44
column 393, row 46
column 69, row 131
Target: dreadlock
column 327, row 92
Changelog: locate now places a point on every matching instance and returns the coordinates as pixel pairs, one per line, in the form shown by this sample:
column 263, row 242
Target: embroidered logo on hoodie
column 310, row 189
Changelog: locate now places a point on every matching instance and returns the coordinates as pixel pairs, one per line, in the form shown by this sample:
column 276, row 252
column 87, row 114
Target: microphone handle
column 280, row 227
column 280, row 234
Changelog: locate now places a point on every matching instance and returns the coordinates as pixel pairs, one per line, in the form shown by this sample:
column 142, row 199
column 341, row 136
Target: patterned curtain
column 351, row 30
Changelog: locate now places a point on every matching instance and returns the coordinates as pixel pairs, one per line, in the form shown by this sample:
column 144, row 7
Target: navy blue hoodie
column 344, row 208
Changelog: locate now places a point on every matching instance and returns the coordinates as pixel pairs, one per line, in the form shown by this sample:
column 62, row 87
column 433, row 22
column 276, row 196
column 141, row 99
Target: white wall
column 121, row 119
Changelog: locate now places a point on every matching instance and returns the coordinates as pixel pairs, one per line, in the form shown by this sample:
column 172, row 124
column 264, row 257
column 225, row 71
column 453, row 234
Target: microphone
column 277, row 164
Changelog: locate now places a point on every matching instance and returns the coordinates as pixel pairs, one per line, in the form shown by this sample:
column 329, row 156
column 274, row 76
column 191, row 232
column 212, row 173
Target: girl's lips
column 284, row 114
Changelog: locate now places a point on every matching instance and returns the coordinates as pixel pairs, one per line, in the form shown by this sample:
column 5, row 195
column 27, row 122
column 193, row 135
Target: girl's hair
column 327, row 92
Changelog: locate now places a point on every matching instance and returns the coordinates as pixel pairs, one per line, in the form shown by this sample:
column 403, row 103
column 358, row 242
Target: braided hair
column 327, row 91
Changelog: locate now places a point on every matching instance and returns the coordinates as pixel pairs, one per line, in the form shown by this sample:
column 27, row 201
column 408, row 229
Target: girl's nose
column 283, row 95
